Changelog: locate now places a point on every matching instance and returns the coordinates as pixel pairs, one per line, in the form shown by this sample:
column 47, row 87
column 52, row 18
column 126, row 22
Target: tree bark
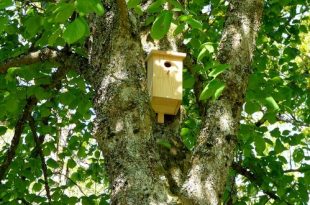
column 141, row 172
column 214, row 152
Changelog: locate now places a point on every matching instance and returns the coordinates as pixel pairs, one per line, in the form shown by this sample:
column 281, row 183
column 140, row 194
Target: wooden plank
column 179, row 55
column 167, row 82
column 165, row 105
column 160, row 118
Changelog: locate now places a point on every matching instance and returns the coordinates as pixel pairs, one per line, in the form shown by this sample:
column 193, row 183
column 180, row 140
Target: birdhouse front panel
column 167, row 77
column 165, row 81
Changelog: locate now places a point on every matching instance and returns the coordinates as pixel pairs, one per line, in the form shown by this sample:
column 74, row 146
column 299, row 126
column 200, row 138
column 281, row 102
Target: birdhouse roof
column 175, row 54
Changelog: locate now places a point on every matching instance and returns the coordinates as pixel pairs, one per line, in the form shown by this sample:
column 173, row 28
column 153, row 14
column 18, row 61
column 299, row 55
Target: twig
column 297, row 170
column 40, row 152
column 81, row 190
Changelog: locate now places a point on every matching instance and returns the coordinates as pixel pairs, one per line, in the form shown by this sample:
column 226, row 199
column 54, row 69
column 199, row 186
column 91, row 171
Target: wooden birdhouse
column 164, row 70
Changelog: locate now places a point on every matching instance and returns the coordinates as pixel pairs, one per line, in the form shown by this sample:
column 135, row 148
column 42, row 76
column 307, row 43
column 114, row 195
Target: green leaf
column 155, row 6
column 66, row 98
column 177, row 5
column 180, row 28
column 260, row 144
column 5, row 3
column 54, row 36
column 97, row 154
column 271, row 103
column 214, row 89
column 204, row 48
column 161, row 25
column 3, row 130
column 188, row 138
column 133, row 3
column 37, row 187
column 188, row 80
column 33, row 25
column 87, row 201
column 52, row 163
column 90, row 6
column 218, row 69
column 149, row 20
column 63, row 12
column 279, row 147
column 71, row 163
column 11, row 103
column 75, row 31
column 251, row 107
column 3, row 23
column 185, row 131
column 84, row 106
column 194, row 23
column 40, row 93
column 298, row 155
column 164, row 142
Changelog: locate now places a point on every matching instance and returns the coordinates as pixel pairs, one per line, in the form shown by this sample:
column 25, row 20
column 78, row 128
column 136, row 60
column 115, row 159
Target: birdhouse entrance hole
column 167, row 64
column 165, row 90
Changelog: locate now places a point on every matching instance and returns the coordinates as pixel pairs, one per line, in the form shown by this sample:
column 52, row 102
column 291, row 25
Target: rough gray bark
column 141, row 172
column 214, row 153
column 124, row 119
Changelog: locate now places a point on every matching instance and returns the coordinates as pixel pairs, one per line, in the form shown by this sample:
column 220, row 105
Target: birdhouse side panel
column 150, row 64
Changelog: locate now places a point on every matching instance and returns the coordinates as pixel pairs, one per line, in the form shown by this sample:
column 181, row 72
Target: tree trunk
column 141, row 172
column 214, row 153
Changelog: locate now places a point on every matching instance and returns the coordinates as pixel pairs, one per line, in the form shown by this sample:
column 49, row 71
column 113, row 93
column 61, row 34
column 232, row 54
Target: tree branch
column 29, row 58
column 252, row 177
column 40, row 152
column 35, row 151
column 19, row 127
column 62, row 57
column 123, row 15
column 31, row 102
column 292, row 119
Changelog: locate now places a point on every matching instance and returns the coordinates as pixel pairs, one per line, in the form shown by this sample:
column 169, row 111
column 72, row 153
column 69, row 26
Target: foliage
column 274, row 133
column 62, row 115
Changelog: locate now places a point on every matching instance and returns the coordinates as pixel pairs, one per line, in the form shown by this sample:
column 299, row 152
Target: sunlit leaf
column 75, row 31
column 133, row 3
column 204, row 48
column 63, row 12
column 213, row 89
column 298, row 155
column 52, row 163
column 161, row 25
column 271, row 103
column 279, row 147
column 90, row 6
column 5, row 3
column 218, row 69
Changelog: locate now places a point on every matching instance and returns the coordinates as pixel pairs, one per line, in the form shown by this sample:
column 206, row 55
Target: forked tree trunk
column 140, row 172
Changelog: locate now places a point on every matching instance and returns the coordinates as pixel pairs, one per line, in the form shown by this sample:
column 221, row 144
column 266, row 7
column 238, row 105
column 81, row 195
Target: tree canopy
column 48, row 154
